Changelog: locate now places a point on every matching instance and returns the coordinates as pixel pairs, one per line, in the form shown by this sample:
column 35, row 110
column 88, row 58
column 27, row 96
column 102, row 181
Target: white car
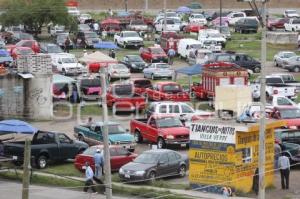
column 128, row 38
column 158, row 70
column 212, row 35
column 185, row 46
column 282, row 56
column 290, row 13
column 211, row 44
column 118, row 71
column 293, row 25
column 73, row 11
column 83, row 17
column 67, row 64
column 197, row 18
column 171, row 25
column 54, row 30
column 233, row 17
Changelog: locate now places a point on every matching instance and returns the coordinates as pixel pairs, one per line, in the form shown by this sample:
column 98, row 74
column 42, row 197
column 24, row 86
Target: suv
column 86, row 39
column 288, row 135
column 240, row 59
column 246, row 25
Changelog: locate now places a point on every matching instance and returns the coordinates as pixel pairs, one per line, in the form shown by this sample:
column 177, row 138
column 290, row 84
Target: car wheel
column 137, row 137
column 152, row 77
column 256, row 70
column 109, row 78
column 275, row 63
column 42, row 162
column 152, row 177
column 182, row 171
column 161, row 144
column 293, row 30
column 124, row 45
column 296, row 69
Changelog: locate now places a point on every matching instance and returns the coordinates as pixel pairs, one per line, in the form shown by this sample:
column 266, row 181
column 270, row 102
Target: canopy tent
column 16, row 126
column 184, row 9
column 106, row 45
column 190, row 71
column 60, row 79
column 97, row 57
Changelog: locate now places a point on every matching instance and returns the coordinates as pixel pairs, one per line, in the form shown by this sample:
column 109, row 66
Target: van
column 171, row 25
column 187, row 45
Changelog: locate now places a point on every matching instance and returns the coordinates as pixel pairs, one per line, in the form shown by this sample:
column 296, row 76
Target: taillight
column 275, row 92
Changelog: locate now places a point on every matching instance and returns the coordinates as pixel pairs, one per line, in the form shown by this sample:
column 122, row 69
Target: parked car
column 287, row 78
column 94, row 134
column 21, row 51
column 282, row 56
column 84, row 28
column 54, row 30
column 185, row 46
column 225, row 30
column 154, row 164
column 128, row 39
column 154, row 54
column 89, row 87
column 167, row 91
column 140, row 85
column 84, row 17
column 211, row 45
column 134, row 62
column 193, row 28
column 172, row 24
column 289, row 114
column 203, row 55
column 290, row 13
column 138, row 25
column 67, row 64
column 119, row 156
column 212, row 34
column 246, row 25
column 292, row 25
column 158, row 70
column 117, row 71
column 46, row 147
column 292, row 151
column 276, row 23
column 122, row 97
column 292, row 64
column 288, row 135
column 61, row 39
column 50, row 48
column 86, row 39
column 34, row 45
column 5, row 58
column 197, row 18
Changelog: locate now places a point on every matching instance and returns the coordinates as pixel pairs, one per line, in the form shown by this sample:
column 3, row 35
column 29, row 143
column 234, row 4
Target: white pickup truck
column 128, row 38
column 233, row 17
column 274, row 87
column 292, row 25
column 67, row 64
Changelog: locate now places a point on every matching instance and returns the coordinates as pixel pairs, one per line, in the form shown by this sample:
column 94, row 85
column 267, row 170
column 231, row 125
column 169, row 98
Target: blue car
column 158, row 71
column 5, row 58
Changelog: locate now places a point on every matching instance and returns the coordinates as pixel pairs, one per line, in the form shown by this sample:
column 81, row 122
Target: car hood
column 120, row 137
column 174, row 131
column 133, row 166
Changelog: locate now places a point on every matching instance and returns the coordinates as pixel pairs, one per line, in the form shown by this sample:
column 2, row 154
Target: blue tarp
column 191, row 70
column 106, row 45
column 16, row 126
column 184, row 9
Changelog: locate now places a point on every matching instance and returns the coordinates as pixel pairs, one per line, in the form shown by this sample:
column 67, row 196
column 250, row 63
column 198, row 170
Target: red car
column 34, row 45
column 194, row 27
column 119, row 156
column 277, row 23
column 20, row 51
column 169, row 91
column 290, row 114
column 122, row 97
column 169, row 39
column 154, row 54
column 140, row 85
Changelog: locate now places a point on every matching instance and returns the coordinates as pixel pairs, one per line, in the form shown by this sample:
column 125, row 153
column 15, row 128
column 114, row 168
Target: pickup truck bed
column 126, row 103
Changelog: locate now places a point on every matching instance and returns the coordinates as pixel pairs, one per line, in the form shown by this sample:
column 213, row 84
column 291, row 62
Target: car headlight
column 121, row 171
column 139, row 173
column 133, row 65
column 170, row 136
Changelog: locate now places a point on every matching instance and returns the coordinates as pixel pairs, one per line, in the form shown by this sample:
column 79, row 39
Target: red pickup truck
column 289, row 114
column 163, row 130
column 140, row 85
column 167, row 91
column 154, row 55
column 121, row 97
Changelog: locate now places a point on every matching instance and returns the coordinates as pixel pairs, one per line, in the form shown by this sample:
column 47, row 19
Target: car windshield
column 251, row 21
column 287, row 78
column 72, row 9
column 25, row 52
column 147, row 158
column 157, row 51
column 162, row 66
column 119, row 66
column 91, row 35
column 135, row 58
column 172, row 88
column 90, row 82
column 291, row 12
column 123, row 90
column 54, row 49
column 290, row 113
column 168, row 122
column 296, row 21
column 68, row 60
column 215, row 35
column 85, row 16
column 25, row 36
column 196, row 46
column 115, row 129
column 199, row 16
column 84, row 27
column 225, row 29
column 288, row 55
column 170, row 14
column 130, row 34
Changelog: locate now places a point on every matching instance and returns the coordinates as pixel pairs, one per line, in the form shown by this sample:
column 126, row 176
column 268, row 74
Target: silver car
column 282, row 56
column 158, row 70
column 292, row 64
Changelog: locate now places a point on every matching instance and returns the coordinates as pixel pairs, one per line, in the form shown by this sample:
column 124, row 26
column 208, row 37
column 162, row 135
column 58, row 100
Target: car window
column 247, row 58
column 45, row 138
column 283, row 101
column 63, row 138
column 121, row 151
column 223, row 58
column 284, row 135
column 112, row 152
column 163, row 109
column 172, row 157
column 152, row 122
column 297, row 134
column 186, row 109
column 163, row 158
column 174, row 109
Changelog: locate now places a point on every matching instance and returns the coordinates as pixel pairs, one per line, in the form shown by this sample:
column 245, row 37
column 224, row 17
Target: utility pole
column 220, row 15
column 26, row 170
column 107, row 169
column 262, row 125
column 126, row 5
column 165, row 15
column 146, row 4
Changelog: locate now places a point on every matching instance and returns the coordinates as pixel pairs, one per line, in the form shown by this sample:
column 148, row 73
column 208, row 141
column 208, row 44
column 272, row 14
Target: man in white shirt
column 89, row 183
column 284, row 166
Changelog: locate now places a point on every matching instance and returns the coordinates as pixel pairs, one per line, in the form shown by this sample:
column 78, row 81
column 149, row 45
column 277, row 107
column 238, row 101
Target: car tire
column 42, row 162
column 161, row 144
column 275, row 63
column 256, row 70
column 296, row 69
column 138, row 137
column 152, row 177
column 182, row 171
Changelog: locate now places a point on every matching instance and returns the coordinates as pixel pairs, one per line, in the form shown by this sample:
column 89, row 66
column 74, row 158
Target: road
column 14, row 190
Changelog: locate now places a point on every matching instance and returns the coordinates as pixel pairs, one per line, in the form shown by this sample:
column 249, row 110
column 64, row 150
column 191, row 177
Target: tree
column 33, row 14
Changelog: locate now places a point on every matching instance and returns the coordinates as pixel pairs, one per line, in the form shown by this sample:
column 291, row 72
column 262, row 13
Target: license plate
column 15, row 157
column 183, row 145
column 127, row 176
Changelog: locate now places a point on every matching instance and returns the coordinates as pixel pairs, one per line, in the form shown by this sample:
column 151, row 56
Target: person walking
column 67, row 44
column 112, row 53
column 99, row 163
column 255, row 181
column 171, row 55
column 89, row 183
column 284, row 166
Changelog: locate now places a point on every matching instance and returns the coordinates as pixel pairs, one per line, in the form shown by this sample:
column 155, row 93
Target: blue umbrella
column 184, row 9
column 16, row 126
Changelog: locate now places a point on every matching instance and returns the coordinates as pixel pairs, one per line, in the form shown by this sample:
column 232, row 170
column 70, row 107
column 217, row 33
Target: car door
column 173, row 163
column 163, row 165
column 152, row 130
column 114, row 159
column 66, row 147
column 122, row 157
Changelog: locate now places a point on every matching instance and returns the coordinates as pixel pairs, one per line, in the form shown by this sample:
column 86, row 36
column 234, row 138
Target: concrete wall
column 285, row 38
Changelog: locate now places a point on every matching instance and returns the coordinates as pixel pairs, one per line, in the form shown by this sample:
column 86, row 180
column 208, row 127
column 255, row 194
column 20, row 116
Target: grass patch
column 67, row 169
column 88, row 109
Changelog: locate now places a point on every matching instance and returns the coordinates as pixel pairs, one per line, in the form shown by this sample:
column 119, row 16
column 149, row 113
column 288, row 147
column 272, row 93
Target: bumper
column 158, row 75
column 127, row 75
column 132, row 178
column 177, row 142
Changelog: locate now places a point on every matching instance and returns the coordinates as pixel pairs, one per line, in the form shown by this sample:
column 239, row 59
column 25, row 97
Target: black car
column 246, row 25
column 154, row 164
column 240, row 59
column 288, row 135
column 134, row 62
column 61, row 38
column 86, row 39
column 50, row 48
column 292, row 151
